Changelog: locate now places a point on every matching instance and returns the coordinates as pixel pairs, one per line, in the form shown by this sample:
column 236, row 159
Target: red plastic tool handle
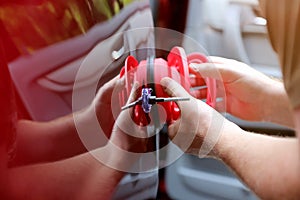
column 176, row 67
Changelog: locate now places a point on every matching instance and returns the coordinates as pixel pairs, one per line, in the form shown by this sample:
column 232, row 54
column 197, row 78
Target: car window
column 34, row 26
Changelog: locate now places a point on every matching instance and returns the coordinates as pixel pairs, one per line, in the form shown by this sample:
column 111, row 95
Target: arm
column 248, row 91
column 58, row 139
column 92, row 175
column 47, row 141
column 80, row 177
column 269, row 166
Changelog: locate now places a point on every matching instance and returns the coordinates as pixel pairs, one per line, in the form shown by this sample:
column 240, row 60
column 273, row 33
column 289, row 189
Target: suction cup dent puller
column 148, row 73
column 211, row 83
column 146, row 100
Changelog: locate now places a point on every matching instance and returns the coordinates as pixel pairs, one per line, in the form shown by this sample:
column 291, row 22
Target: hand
column 249, row 93
column 102, row 104
column 126, row 134
column 128, row 142
column 199, row 127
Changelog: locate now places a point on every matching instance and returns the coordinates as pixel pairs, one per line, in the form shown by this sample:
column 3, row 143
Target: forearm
column 80, row 177
column 47, row 141
column 277, row 107
column 268, row 165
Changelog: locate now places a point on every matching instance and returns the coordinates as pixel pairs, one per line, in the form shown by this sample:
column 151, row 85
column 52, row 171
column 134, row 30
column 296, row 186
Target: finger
column 207, row 70
column 173, row 129
column 221, row 60
column 124, row 121
column 181, row 136
column 119, row 84
column 173, row 88
column 199, row 93
column 231, row 69
column 110, row 84
column 196, row 80
column 224, row 72
column 132, row 97
column 105, row 93
column 107, row 89
column 134, row 93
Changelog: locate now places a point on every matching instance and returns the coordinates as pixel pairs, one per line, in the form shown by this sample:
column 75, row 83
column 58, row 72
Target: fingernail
column 121, row 81
column 164, row 81
column 194, row 66
column 135, row 85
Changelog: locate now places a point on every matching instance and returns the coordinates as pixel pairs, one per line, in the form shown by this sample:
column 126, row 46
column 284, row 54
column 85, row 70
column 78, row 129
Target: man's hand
column 128, row 142
column 103, row 104
column 126, row 134
column 199, row 127
column 250, row 95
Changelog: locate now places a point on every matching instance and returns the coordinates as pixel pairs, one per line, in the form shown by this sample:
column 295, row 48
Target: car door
column 54, row 39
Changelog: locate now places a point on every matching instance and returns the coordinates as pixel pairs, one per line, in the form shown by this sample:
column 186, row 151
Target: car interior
column 98, row 42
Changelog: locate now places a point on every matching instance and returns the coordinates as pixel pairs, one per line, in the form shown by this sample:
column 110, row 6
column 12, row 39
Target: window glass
column 33, row 26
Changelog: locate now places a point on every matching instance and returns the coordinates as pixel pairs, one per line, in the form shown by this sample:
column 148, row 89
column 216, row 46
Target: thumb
column 134, row 93
column 207, row 70
column 172, row 88
column 173, row 129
